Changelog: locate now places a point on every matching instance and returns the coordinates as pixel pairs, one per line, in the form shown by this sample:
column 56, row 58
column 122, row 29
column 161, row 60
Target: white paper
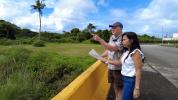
column 94, row 54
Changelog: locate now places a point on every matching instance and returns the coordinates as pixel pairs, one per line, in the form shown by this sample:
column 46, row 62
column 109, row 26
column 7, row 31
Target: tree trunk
column 40, row 27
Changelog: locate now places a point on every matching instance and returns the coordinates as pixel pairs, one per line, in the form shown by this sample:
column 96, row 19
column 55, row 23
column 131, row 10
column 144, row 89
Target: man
column 113, row 51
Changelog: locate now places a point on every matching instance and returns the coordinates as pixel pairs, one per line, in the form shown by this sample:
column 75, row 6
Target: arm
column 104, row 43
column 105, row 54
column 113, row 62
column 107, row 45
column 138, row 66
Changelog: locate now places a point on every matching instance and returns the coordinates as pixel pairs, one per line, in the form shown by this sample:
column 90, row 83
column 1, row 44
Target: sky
column 153, row 17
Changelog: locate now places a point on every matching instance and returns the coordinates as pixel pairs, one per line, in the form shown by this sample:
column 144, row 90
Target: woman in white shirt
column 131, row 61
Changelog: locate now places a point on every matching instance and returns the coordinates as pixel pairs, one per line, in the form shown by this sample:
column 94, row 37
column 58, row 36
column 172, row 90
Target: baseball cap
column 116, row 24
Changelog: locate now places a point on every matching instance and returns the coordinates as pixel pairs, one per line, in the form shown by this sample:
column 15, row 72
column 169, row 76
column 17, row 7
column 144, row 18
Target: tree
column 91, row 27
column 38, row 6
column 26, row 33
column 8, row 30
column 75, row 31
column 104, row 34
column 88, row 30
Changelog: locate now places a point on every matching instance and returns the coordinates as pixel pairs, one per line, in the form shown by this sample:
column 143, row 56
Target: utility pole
column 162, row 35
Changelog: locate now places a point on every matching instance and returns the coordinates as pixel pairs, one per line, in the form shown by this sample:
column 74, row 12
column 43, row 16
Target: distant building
column 167, row 39
column 174, row 37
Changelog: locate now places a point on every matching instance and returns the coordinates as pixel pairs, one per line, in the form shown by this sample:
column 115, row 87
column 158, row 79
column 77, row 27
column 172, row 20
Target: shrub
column 26, row 41
column 7, row 42
column 87, row 41
column 39, row 43
column 37, row 75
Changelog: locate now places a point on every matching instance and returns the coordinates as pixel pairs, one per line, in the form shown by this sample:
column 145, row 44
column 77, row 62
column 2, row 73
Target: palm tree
column 91, row 28
column 38, row 6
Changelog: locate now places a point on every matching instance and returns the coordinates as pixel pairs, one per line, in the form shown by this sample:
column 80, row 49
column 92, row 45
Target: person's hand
column 136, row 93
column 96, row 37
column 104, row 60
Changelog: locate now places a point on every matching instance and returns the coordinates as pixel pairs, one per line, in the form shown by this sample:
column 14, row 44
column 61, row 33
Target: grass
column 39, row 73
column 67, row 49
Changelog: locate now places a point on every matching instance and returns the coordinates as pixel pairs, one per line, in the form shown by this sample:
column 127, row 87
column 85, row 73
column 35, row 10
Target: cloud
column 65, row 15
column 118, row 13
column 18, row 12
column 68, row 14
column 158, row 14
column 9, row 8
column 102, row 3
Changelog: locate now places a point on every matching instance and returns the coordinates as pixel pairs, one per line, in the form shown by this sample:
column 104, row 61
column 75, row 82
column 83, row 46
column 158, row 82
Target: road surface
column 159, row 75
column 164, row 60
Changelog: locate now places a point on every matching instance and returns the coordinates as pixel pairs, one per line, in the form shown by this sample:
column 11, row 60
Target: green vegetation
column 148, row 39
column 39, row 43
column 11, row 31
column 40, row 73
column 25, row 36
column 38, row 69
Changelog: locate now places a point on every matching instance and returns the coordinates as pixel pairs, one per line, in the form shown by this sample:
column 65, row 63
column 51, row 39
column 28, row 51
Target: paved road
column 153, row 86
column 160, row 74
column 164, row 60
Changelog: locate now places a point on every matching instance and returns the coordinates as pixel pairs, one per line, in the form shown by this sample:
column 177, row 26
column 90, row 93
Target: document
column 94, row 54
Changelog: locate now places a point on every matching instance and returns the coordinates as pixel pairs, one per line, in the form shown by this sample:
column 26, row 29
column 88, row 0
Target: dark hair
column 135, row 44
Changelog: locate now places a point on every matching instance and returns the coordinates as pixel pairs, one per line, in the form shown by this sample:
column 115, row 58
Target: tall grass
column 29, row 74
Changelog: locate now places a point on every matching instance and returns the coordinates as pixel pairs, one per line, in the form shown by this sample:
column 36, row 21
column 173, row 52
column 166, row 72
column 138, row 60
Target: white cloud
column 18, row 12
column 146, row 28
column 66, row 13
column 158, row 14
column 77, row 13
column 102, row 3
column 151, row 19
column 10, row 8
column 118, row 13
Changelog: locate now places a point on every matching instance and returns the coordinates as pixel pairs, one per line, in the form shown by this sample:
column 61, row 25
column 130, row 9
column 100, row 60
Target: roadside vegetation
column 40, row 73
column 37, row 66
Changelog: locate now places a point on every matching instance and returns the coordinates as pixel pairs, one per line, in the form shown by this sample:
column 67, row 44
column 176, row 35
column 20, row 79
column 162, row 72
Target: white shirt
column 128, row 66
column 113, row 55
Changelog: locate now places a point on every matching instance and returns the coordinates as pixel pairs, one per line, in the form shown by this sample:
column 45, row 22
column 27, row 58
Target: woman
column 131, row 61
